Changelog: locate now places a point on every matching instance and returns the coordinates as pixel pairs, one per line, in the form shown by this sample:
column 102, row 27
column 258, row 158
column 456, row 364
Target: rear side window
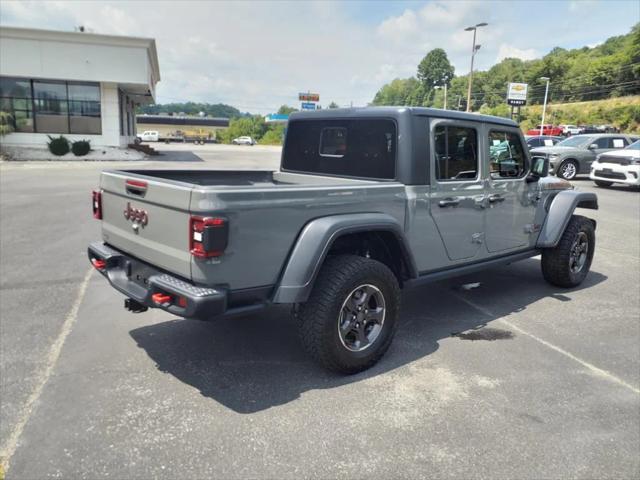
column 456, row 150
column 333, row 142
column 351, row 148
column 506, row 155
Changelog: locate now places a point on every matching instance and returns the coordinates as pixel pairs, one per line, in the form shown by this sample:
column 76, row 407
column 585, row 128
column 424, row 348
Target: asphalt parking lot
column 492, row 375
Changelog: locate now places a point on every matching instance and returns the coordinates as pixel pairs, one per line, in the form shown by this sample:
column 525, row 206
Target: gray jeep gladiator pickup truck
column 366, row 202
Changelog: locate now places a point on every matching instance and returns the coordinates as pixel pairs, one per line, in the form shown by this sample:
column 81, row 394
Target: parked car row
column 568, row 130
column 608, row 158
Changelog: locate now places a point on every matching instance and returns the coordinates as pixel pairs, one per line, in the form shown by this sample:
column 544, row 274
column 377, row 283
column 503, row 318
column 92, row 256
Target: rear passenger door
column 457, row 190
column 511, row 201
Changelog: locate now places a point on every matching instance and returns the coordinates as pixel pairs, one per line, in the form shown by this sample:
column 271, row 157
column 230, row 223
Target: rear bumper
column 141, row 282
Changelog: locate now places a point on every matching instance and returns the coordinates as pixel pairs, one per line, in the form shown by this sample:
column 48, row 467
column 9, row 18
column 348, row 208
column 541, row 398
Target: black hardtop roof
column 336, row 113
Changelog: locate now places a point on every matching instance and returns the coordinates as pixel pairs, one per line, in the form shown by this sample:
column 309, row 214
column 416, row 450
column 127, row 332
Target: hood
column 623, row 153
column 555, row 149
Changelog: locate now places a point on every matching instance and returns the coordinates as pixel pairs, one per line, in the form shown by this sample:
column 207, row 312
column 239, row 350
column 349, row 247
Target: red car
column 546, row 130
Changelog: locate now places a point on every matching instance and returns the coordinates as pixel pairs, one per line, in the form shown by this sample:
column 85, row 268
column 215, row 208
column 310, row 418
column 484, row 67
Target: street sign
column 309, row 97
column 517, row 94
column 308, row 106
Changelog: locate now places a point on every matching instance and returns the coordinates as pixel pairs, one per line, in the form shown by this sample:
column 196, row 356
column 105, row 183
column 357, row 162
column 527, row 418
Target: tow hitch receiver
column 161, row 298
column 133, row 306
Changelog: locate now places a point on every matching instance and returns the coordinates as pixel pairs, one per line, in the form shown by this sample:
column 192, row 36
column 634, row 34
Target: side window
column 603, row 142
column 456, row 153
column 333, row 142
column 618, row 142
column 506, row 155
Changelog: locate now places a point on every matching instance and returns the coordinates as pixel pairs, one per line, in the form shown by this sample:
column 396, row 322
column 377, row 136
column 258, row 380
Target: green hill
column 611, row 69
column 622, row 112
column 193, row 108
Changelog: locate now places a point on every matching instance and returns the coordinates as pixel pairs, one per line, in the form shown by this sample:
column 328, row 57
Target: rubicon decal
column 137, row 215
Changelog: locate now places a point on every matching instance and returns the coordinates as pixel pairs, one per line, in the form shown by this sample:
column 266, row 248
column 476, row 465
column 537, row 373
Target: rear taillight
column 96, row 200
column 208, row 236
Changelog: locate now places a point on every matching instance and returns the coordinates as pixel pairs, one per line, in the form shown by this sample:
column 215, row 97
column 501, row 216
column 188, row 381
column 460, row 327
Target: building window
column 16, row 99
column 50, row 99
column 50, row 106
column 84, row 108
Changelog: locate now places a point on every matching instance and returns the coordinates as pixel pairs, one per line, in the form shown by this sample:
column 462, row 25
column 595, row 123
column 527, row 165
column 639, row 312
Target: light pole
column 544, row 105
column 474, row 49
column 445, row 92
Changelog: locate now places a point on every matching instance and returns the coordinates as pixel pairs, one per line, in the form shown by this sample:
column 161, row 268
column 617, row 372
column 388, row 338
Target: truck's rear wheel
column 567, row 264
column 350, row 318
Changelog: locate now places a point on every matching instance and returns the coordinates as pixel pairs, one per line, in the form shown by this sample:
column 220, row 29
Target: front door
column 511, row 201
column 457, row 189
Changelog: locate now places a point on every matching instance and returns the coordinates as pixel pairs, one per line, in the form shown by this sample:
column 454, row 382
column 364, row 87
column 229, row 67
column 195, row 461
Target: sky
column 258, row 55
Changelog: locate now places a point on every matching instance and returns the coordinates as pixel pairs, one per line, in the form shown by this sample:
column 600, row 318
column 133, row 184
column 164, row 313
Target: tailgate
column 147, row 218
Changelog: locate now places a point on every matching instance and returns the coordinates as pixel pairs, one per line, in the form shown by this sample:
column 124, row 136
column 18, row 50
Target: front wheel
column 349, row 320
column 603, row 183
column 568, row 170
column 568, row 263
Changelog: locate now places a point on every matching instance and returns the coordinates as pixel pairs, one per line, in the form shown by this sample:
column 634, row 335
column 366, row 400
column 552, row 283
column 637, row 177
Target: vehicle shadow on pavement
column 176, row 156
column 252, row 363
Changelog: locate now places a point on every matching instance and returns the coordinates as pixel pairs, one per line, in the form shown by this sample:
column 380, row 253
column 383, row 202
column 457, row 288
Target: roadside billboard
column 309, row 97
column 308, row 106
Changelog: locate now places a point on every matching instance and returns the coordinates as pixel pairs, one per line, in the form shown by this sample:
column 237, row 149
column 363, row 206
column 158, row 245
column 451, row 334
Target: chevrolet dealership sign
column 517, row 94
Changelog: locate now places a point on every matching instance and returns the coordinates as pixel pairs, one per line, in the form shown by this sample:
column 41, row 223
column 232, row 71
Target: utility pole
column 544, row 105
column 474, row 49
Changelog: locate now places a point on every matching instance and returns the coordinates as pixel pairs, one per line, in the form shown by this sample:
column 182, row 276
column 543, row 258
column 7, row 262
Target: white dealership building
column 81, row 85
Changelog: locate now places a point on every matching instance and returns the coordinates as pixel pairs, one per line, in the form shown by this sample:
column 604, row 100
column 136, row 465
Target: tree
column 435, row 69
column 286, row 110
column 333, row 105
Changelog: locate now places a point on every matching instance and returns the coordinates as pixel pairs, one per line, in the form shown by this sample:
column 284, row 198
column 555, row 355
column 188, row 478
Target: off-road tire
column 561, row 167
column 603, row 183
column 556, row 262
column 319, row 316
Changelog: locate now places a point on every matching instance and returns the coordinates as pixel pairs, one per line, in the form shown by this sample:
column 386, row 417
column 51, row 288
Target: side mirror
column 539, row 169
column 593, row 146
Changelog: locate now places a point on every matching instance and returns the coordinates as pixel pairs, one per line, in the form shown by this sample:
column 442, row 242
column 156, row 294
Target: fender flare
column 315, row 241
column 560, row 211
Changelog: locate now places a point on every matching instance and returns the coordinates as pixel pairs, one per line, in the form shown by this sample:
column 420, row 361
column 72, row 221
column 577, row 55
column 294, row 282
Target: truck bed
column 266, row 211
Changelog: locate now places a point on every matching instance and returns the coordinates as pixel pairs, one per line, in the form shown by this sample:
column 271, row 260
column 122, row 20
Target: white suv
column 621, row 166
column 570, row 130
column 243, row 141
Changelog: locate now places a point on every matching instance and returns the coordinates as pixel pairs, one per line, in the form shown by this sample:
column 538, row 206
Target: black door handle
column 449, row 202
column 496, row 198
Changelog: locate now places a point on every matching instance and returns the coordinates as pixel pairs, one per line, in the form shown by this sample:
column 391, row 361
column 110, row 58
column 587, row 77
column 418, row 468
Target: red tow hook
column 161, row 298
column 99, row 264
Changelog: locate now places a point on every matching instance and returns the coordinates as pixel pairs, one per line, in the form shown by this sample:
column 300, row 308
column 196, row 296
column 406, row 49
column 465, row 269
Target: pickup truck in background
column 366, row 202
column 546, row 130
column 149, row 136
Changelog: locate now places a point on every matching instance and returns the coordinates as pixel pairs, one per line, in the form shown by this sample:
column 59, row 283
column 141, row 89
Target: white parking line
column 9, row 448
column 598, row 371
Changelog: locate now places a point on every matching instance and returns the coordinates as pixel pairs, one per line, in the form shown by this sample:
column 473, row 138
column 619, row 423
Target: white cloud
column 509, row 51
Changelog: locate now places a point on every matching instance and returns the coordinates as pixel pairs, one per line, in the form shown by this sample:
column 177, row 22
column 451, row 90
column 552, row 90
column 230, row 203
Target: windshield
column 634, row 146
column 573, row 142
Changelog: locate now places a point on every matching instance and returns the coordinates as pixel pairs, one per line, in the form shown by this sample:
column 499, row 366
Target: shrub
column 6, row 120
column 81, row 148
column 58, row 146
